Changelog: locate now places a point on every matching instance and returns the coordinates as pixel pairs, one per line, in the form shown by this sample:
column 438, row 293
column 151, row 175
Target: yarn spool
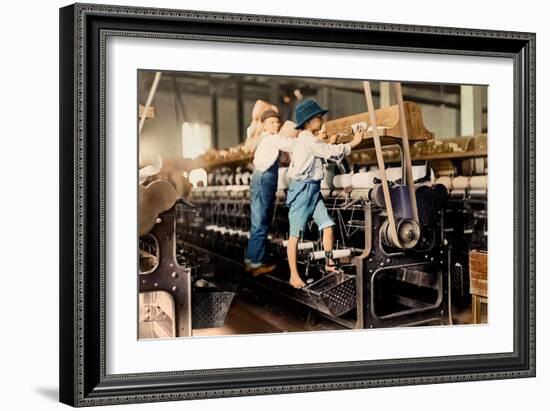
column 364, row 179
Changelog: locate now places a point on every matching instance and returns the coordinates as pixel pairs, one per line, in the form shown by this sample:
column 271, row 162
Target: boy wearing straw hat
column 306, row 171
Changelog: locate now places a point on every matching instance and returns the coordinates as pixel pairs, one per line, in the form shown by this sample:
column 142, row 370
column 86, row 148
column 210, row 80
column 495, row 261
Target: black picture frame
column 83, row 30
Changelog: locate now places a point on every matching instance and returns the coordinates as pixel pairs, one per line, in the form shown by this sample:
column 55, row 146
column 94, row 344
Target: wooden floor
column 245, row 317
column 254, row 316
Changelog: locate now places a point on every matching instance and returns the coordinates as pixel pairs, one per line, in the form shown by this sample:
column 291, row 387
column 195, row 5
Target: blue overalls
column 263, row 187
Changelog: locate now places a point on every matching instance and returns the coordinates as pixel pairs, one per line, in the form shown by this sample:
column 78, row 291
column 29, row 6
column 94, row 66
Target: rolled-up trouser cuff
column 326, row 225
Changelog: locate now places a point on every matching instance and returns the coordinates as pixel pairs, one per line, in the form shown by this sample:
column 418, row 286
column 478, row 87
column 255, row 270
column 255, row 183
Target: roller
column 342, row 253
column 457, row 192
column 461, row 182
column 478, row 182
column 401, row 200
column 446, row 181
column 376, row 195
column 478, row 192
column 364, row 180
column 303, row 245
column 396, row 173
column 359, row 193
column 343, row 180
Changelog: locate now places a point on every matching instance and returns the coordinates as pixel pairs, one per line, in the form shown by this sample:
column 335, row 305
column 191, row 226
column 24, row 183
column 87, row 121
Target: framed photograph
column 261, row 204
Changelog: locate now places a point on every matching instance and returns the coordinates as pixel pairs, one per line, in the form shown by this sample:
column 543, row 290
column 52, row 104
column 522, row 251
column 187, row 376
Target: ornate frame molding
column 82, row 315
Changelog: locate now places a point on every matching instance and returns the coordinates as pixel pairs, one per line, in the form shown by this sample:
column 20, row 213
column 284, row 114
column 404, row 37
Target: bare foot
column 331, row 268
column 296, row 281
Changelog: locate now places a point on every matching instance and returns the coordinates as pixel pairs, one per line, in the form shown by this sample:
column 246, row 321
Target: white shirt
column 267, row 150
column 307, row 159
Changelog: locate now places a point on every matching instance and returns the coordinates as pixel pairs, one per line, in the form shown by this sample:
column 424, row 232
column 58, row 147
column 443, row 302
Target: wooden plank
column 476, row 308
column 388, row 130
column 478, row 287
column 388, row 123
column 478, row 273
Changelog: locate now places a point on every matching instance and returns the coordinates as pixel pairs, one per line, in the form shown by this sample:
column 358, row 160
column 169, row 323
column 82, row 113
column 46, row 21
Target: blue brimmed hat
column 305, row 110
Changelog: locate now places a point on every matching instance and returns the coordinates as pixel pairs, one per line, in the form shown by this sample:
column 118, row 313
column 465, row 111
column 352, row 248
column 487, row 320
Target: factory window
column 196, row 138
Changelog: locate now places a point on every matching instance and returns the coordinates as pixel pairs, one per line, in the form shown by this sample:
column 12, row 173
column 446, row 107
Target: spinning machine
column 402, row 238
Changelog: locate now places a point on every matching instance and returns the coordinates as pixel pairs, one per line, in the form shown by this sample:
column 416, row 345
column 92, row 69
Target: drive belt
column 380, row 159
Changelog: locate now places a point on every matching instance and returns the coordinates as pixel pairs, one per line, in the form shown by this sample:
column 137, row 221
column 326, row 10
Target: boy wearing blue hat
column 306, row 171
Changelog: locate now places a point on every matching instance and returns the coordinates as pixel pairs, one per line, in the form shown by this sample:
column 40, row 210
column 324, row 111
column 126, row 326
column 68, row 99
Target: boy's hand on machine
column 322, row 134
column 357, row 137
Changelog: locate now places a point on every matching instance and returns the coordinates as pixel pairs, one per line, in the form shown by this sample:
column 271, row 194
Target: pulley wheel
column 408, row 232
